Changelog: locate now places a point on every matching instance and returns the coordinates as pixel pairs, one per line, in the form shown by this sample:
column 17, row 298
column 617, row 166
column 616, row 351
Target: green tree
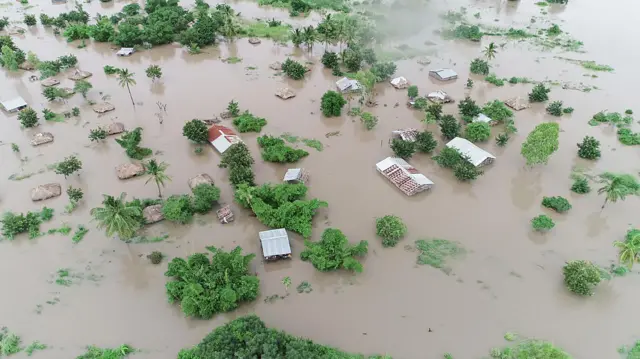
column 102, row 31
column 425, row 142
column 403, row 149
column 128, row 34
column 629, row 250
column 297, row 37
column 581, row 186
column 541, row 143
column 178, row 209
column 589, row 148
column 30, row 20
column 98, row 134
column 75, row 194
column 555, row 108
column 479, row 67
column 54, row 93
column 391, row 229
column 125, row 79
column 334, row 252
column 332, row 103
column 67, row 167
column 156, row 172
column 581, row 277
column 309, row 37
column 233, row 108
column 478, row 131
column 204, row 197
column 450, row 127
column 558, row 203
column 9, row 58
column 412, row 91
column 618, row 187
column 490, row 51
column 239, row 161
column 329, row 59
column 130, row 141
column 154, row 72
column 468, row 109
column 539, row 93
column 204, row 287
column 28, row 117
column 77, row 32
column 497, row 111
column 196, row 131
column 249, row 123
column 118, row 217
column 274, row 149
column 293, row 69
column 82, row 87
column 368, row 80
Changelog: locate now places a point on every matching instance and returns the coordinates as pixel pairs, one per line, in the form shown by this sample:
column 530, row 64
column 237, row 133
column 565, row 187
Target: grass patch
column 290, row 137
column 542, row 3
column 434, row 252
column 612, row 118
column 278, row 33
column 64, row 277
column 589, row 65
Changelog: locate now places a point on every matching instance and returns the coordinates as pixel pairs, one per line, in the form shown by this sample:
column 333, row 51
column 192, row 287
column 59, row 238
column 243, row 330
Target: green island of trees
column 205, row 286
column 334, row 252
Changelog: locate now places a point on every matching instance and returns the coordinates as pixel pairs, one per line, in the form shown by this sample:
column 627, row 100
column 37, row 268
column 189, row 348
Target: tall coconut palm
column 309, row 35
column 629, row 250
column 490, row 51
column 125, row 79
column 297, row 37
column 156, row 173
column 618, row 187
column 118, row 217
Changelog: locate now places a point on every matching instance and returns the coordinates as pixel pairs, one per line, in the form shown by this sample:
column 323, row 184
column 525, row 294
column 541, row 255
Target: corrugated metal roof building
column 477, row 156
column 443, row 74
column 14, row 105
column 403, row 175
column 275, row 244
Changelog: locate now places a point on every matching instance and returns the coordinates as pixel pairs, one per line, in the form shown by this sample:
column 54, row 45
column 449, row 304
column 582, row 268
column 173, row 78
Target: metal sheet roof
column 14, row 104
column 275, row 242
column 444, row 74
column 126, row 51
column 482, row 118
column 292, row 174
column 476, row 154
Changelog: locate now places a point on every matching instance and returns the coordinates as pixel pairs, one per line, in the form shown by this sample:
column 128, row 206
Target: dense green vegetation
column 540, row 93
column 274, row 149
column 558, row 204
column 28, row 117
column 178, row 209
column 589, row 148
column 120, row 352
column 618, row 187
column 238, row 160
column 332, row 103
column 68, row 166
column 477, row 131
column 250, row 335
column 629, row 249
column 402, row 148
column 391, row 229
column 530, row 349
column 334, row 252
column 580, row 185
column 205, row 286
column 196, row 131
column 541, row 143
column 14, row 224
column 449, row 127
column 463, row 169
column 130, row 141
column 581, row 277
column 118, row 217
column 479, row 66
column 468, row 109
column 293, row 69
column 542, row 223
column 249, row 123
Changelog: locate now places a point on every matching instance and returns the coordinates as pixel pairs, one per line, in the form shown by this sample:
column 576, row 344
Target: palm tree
column 490, row 51
column 629, row 250
column 125, row 79
column 118, row 217
column 155, row 171
column 297, row 37
column 618, row 187
column 309, row 36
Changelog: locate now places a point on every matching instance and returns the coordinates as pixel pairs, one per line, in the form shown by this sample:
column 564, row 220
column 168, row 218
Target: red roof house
column 222, row 137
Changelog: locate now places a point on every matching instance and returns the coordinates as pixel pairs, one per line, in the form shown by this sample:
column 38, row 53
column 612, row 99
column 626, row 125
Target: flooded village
column 387, row 179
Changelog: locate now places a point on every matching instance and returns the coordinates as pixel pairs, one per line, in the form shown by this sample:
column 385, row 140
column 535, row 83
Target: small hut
column 275, row 244
column 399, row 82
column 474, row 154
column 296, row 175
column 129, row 170
column 202, row 178
column 49, row 81
column 46, row 191
column 222, row 137
column 443, row 74
column 153, row 214
column 225, row 215
column 285, row 93
column 41, row 138
column 126, row 51
column 103, row 107
column 80, row 75
column 14, row 105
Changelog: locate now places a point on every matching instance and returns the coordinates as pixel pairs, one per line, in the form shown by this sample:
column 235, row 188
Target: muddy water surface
column 510, row 279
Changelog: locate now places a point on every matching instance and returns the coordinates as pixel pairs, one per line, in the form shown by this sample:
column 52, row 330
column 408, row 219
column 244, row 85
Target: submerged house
column 399, row 82
column 14, row 105
column 403, row 175
column 222, row 137
column 443, row 74
column 407, row 134
column 275, row 244
column 348, row 85
column 296, row 175
column 126, row 51
column 486, row 119
column 476, row 155
column 439, row 96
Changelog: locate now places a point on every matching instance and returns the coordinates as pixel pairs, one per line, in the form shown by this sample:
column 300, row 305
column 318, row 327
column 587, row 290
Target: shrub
column 110, row 70
column 204, row 197
column 589, row 148
column 466, row 171
column 497, row 111
column 412, row 91
column 30, row 20
column 334, row 252
column 541, row 143
column 28, row 117
column 567, row 110
column 196, row 131
column 628, row 111
column 479, row 67
column 403, row 149
column 82, row 87
column 468, row 109
column 206, row 286
column 70, row 165
column 239, row 161
column 97, row 134
column 425, row 142
column 332, row 103
column 478, row 131
column 14, row 224
column 628, row 137
column 370, row 121
column 493, row 79
column 178, row 209
column 330, row 60
column 249, row 123
column 559, row 204
column 539, row 93
column 581, row 277
column 391, row 229
column 502, row 139
column 463, row 31
column 449, row 127
column 155, row 257
column 581, row 186
column 274, row 149
column 233, row 108
column 542, row 223
column 555, row 108
column 293, row 69
column 75, row 111
column 45, row 20
column 352, row 59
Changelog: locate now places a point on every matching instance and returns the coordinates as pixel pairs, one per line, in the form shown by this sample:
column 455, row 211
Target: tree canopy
column 206, row 286
column 541, row 143
column 334, row 252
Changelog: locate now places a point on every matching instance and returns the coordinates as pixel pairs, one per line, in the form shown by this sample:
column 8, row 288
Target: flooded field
column 509, row 280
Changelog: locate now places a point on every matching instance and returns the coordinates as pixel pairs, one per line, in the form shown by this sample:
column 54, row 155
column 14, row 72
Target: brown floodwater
column 510, row 280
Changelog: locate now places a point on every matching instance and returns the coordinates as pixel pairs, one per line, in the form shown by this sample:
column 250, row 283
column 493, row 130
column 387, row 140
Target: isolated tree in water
column 154, row 72
column 125, row 79
column 490, row 51
column 156, row 172
column 618, row 187
column 117, row 216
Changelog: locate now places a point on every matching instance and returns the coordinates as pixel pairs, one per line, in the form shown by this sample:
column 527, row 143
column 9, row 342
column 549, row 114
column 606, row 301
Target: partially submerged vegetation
column 334, row 252
column 436, row 252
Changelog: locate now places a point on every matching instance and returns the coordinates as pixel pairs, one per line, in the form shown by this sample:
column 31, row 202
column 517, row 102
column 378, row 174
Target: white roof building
column 14, row 105
column 222, row 137
column 403, row 175
column 348, row 85
column 476, row 155
column 296, row 175
column 275, row 244
column 443, row 74
column 399, row 82
column 484, row 118
column 126, row 51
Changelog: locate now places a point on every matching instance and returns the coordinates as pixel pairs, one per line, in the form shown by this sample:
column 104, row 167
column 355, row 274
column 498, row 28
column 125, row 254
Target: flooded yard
column 509, row 279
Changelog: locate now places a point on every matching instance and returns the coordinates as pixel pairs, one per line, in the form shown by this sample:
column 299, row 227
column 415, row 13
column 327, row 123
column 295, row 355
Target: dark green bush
column 249, row 123
column 332, row 103
column 204, row 197
column 558, row 204
column 589, row 148
column 391, row 229
column 178, row 209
